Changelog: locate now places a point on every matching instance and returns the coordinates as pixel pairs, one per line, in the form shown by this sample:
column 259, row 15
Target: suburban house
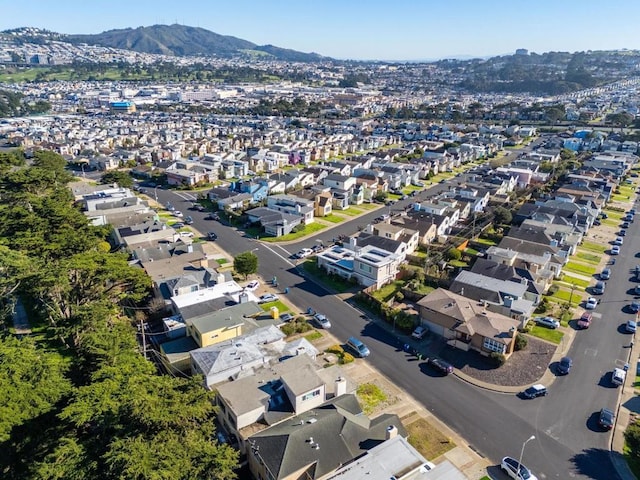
column 491, row 269
column 542, row 267
column 190, row 173
column 293, row 205
column 366, row 265
column 399, row 233
column 423, row 224
column 315, row 444
column 341, row 187
column 274, row 222
column 322, row 200
column 503, row 296
column 467, row 324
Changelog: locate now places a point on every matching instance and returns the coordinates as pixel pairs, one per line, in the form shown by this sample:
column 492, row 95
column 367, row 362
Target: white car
column 268, row 297
column 618, row 241
column 177, row 213
column 251, row 286
column 186, row 233
column 322, row 321
column 548, row 322
column 615, row 250
column 591, row 303
column 510, row 467
column 305, row 252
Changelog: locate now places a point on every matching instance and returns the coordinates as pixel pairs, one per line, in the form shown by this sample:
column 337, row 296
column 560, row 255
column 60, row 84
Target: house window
column 493, row 346
column 311, row 395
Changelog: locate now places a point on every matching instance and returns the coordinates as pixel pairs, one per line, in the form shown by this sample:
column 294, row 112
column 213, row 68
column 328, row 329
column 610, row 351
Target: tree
column 245, row 263
column 381, row 196
column 632, row 437
column 502, row 216
column 453, row 254
column 123, row 179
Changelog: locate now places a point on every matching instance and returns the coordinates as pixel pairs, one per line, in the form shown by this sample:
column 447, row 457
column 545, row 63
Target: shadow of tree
column 595, row 463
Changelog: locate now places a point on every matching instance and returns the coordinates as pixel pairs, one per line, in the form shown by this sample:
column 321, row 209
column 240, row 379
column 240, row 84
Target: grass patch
column 278, row 304
column 566, row 296
column 469, row 251
column 394, row 196
column 315, row 335
column 634, row 463
column 370, row 396
column 423, row 289
column 592, row 247
column 614, row 214
column 334, row 282
column 580, row 268
column 428, row 439
column 307, row 230
column 458, row 263
column 387, row 292
column 222, row 261
column 333, row 218
column 578, row 282
column 588, row 257
column 553, row 336
column 351, row 212
column 368, row 206
column 485, row 241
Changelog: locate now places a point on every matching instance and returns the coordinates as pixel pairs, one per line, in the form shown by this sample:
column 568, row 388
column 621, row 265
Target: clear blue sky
column 360, row 29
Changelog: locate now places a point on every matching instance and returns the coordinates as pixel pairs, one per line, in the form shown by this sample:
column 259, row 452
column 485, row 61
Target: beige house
column 467, row 324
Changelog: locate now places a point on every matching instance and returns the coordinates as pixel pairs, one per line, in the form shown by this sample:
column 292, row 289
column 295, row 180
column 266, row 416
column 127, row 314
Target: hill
column 182, row 40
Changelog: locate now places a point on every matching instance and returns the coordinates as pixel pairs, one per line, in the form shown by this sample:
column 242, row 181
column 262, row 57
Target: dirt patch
column 522, row 368
column 428, row 439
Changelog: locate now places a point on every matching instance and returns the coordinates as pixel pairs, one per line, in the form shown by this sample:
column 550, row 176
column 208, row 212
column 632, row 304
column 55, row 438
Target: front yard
column 307, row 230
column 427, row 439
column 553, row 336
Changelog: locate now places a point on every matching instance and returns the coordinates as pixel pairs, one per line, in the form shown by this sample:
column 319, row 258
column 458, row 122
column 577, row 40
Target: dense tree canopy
column 78, row 400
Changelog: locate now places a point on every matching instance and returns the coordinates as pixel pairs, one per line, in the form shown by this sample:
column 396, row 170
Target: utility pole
column 144, row 340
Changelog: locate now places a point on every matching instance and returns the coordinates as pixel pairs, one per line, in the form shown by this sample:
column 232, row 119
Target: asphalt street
column 568, row 442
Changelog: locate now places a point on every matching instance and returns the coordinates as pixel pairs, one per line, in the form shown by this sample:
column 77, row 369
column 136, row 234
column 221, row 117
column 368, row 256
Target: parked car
column 535, row 391
column 618, row 241
column 268, row 297
column 212, row 236
column 322, row 321
column 585, row 320
column 212, row 216
column 548, row 322
column 186, row 234
column 188, row 220
column 636, row 291
column 625, row 225
column 360, row 349
column 635, row 306
column 440, row 365
column 606, row 274
column 606, row 419
column 623, row 233
column 516, row 470
column 631, row 326
column 286, row 317
column 177, row 213
column 598, row 289
column 591, row 303
column 252, row 286
column 564, row 365
column 618, row 376
column 305, row 252
column 615, row 250
column 178, row 225
column 419, row 332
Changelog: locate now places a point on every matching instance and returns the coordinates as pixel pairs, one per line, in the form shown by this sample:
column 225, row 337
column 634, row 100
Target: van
column 618, row 376
column 358, row 347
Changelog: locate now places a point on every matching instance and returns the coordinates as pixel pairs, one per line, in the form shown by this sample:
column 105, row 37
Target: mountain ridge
column 182, row 40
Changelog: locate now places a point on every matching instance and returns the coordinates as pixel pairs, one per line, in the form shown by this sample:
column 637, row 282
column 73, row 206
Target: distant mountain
column 183, row 40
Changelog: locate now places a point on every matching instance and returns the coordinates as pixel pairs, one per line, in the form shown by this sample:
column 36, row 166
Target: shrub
column 632, row 437
column 497, row 358
column 336, row 349
column 453, row 254
column 521, row 342
column 399, row 296
column 553, row 289
column 346, row 358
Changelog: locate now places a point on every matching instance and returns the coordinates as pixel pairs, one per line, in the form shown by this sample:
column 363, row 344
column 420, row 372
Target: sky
column 360, row 29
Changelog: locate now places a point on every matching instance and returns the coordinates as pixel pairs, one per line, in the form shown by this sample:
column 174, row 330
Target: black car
column 625, row 224
column 564, row 366
column 535, row 391
column 606, row 419
column 212, row 236
column 188, row 220
column 440, row 365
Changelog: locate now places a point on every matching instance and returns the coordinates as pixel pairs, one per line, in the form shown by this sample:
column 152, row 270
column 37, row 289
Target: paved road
column 567, row 445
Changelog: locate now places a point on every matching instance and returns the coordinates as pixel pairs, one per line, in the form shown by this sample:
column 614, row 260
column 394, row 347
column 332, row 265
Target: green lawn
column 221, row 261
column 613, row 214
column 333, row 218
column 485, row 241
column 388, row 291
column 278, row 304
column 579, row 282
column 316, row 335
column 565, row 295
column 368, row 206
column 588, row 257
column 554, row 336
column 307, row 230
column 579, row 268
column 393, row 196
column 351, row 211
column 592, row 247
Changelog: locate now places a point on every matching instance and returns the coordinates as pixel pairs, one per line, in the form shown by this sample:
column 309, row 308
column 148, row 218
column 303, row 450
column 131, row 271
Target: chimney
column 353, row 241
column 508, row 301
column 391, row 432
column 190, row 248
column 243, row 297
column 340, row 387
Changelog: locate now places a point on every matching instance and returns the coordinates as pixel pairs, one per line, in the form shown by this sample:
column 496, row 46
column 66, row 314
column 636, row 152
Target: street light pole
column 532, row 437
column 155, row 193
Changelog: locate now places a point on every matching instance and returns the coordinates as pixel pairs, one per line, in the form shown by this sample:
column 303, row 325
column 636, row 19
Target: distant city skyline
column 344, row 29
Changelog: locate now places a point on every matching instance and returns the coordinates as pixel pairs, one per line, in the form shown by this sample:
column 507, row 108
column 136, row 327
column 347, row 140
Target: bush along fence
column 394, row 316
